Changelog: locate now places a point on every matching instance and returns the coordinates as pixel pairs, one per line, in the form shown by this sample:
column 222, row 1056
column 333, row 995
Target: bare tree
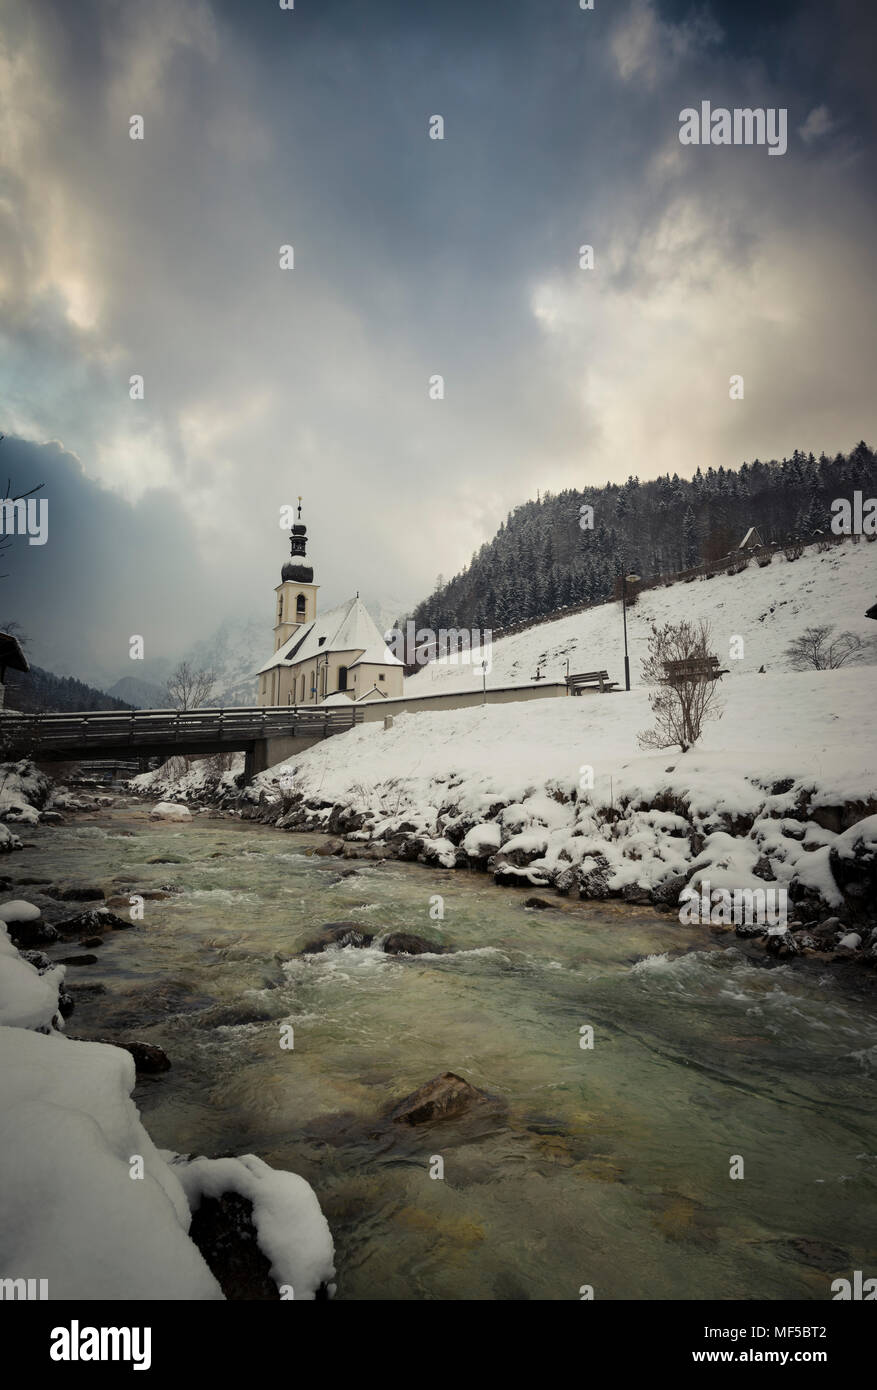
column 813, row 651
column 188, row 687
column 682, row 701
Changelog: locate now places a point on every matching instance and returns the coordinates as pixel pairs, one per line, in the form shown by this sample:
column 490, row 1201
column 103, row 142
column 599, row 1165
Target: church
column 330, row 658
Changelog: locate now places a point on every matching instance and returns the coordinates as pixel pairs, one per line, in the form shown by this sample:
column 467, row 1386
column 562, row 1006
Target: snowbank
column 23, row 793
column 87, row 1202
column 205, row 779
column 28, row 997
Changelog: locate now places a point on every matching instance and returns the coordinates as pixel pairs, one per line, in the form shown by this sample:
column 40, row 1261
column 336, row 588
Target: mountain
column 38, row 690
column 753, row 615
column 543, row 558
column 140, row 694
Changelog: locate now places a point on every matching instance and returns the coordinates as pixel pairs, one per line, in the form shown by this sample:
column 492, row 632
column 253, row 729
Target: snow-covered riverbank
column 87, row 1201
column 782, row 789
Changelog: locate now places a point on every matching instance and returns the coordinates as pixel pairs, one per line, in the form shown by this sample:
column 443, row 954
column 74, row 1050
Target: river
column 609, row 1167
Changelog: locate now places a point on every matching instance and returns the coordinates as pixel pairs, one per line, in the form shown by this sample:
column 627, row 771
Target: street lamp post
column 624, row 620
column 624, row 578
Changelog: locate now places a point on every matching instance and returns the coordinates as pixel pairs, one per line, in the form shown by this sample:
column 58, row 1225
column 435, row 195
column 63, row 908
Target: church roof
column 347, row 628
column 378, row 654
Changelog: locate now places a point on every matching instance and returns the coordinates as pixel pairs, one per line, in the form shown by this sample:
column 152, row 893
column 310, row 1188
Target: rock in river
column 338, row 934
column 405, row 943
column 439, row 1099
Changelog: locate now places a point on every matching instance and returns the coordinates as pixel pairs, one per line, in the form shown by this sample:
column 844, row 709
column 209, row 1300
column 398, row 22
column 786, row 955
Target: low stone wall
column 463, row 699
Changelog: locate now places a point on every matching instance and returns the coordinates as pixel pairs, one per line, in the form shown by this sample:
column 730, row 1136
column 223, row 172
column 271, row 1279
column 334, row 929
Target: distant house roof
column 371, row 694
column 338, row 697
column 752, row 537
column 11, row 654
column 347, row 628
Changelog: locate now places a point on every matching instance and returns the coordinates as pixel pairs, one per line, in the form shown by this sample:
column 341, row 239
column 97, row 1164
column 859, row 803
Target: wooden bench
column 588, row 680
column 693, row 668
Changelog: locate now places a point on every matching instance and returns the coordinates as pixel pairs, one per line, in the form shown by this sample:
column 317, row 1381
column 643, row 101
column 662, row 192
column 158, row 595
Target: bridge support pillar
column 267, row 752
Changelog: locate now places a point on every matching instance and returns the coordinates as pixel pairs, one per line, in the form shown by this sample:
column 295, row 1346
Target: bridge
column 265, row 736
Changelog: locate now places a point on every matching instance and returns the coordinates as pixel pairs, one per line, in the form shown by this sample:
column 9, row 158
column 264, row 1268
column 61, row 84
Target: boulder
column 667, row 894
column 89, row 923
column 403, row 943
column 223, row 1230
column 25, row 925
column 17, row 910
column 440, row 1098
column 593, row 876
column 77, row 892
column 850, row 942
column 781, row 944
column 170, row 810
column 77, row 960
column 148, row 1058
column 539, row 905
column 338, row 934
column 330, row 847
column 750, row 929
column 827, row 933
column 38, row 959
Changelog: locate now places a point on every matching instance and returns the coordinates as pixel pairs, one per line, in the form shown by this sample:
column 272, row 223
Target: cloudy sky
column 310, row 127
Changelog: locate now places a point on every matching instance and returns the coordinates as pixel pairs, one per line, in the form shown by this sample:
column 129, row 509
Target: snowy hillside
column 767, row 607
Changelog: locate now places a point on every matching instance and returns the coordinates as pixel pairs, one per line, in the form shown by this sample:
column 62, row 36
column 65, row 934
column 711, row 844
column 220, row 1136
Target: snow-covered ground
column 200, row 781
column 560, row 792
column 767, row 607
column 804, row 725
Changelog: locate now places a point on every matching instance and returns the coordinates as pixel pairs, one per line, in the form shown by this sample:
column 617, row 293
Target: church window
column 342, row 677
column 300, row 606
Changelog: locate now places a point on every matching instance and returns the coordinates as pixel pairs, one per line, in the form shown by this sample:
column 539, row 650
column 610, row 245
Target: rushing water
column 608, row 1166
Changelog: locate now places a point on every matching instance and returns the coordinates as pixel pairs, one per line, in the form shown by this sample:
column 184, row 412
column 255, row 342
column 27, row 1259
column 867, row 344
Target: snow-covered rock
column 17, row 910
column 170, row 810
column 291, row 1230
column 28, row 996
column 23, row 792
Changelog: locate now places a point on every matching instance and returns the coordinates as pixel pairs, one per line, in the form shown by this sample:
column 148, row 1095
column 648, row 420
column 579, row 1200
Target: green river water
column 607, row 1167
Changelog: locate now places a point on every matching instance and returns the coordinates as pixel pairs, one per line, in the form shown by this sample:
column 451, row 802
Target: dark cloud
column 416, row 257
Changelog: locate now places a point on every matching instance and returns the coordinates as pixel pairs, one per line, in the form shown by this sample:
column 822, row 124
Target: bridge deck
column 188, row 730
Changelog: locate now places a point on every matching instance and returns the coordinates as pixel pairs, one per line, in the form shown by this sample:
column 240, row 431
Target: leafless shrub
column 683, row 706
column 813, row 651
column 793, row 548
column 189, row 688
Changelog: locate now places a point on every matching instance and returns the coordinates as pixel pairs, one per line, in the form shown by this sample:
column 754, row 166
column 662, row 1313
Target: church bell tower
column 296, row 602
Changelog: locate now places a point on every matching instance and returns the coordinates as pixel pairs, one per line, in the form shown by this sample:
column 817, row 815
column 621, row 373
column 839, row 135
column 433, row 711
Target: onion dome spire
column 297, row 569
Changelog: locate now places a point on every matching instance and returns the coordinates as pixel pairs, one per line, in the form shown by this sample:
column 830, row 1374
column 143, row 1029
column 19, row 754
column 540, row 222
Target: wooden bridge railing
column 102, row 728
